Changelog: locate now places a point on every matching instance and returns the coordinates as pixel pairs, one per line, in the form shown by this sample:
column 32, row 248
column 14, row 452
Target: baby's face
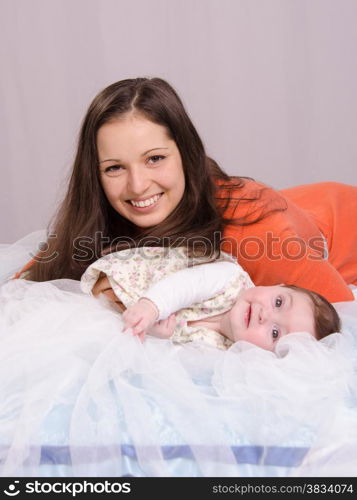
column 263, row 314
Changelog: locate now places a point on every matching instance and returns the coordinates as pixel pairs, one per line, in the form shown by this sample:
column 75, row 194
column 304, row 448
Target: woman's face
column 140, row 169
column 263, row 314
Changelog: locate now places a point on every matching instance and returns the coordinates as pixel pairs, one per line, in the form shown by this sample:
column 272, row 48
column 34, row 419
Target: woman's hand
column 103, row 286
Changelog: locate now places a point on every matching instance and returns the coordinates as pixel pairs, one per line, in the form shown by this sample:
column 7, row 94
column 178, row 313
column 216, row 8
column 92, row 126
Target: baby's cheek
column 259, row 338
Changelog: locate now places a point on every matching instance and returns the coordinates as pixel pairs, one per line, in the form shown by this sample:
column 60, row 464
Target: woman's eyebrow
column 143, row 154
column 110, row 159
column 153, row 149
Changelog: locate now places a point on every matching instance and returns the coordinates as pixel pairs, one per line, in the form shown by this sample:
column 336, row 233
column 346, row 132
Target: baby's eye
column 275, row 333
column 155, row 158
column 278, row 302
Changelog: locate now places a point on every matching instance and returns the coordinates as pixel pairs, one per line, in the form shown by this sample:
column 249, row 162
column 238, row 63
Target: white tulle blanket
column 80, row 398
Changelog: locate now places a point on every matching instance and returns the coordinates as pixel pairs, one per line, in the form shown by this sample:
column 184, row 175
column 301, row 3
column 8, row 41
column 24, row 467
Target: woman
column 141, row 177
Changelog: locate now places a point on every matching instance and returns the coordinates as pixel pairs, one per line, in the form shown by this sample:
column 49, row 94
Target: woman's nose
column 138, row 181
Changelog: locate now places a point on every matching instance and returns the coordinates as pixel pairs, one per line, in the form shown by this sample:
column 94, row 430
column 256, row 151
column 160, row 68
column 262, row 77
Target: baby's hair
column 325, row 315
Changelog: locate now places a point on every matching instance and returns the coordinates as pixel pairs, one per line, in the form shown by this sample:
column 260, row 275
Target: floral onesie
column 194, row 288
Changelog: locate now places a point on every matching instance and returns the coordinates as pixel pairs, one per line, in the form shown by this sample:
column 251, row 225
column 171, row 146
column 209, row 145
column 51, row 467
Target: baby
column 164, row 293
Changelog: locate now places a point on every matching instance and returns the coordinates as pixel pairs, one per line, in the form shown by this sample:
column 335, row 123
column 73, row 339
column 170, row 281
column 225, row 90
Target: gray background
column 270, row 85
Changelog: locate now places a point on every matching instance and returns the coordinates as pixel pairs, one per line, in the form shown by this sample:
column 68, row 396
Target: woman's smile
column 145, row 203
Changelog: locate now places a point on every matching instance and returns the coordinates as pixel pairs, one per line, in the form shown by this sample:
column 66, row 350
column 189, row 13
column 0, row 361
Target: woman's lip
column 145, row 209
column 144, row 199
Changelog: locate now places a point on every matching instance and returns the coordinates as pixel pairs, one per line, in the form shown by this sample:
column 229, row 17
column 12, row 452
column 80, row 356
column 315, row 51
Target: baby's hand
column 164, row 329
column 140, row 317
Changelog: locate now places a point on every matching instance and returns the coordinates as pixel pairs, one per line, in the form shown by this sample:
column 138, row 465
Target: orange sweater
column 286, row 246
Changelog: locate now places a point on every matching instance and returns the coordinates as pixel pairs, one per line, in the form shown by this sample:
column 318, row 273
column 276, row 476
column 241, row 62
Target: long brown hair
column 85, row 212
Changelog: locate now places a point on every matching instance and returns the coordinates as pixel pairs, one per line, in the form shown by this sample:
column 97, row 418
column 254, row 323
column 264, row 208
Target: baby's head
column 263, row 314
column 326, row 319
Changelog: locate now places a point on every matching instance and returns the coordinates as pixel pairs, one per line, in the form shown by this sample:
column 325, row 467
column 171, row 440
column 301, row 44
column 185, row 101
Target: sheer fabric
column 80, row 398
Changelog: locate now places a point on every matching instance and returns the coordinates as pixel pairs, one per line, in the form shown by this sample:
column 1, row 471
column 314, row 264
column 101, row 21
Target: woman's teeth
column 146, row 203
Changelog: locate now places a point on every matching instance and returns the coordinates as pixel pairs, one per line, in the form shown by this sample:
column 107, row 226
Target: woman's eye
column 155, row 158
column 275, row 333
column 113, row 170
column 278, row 302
